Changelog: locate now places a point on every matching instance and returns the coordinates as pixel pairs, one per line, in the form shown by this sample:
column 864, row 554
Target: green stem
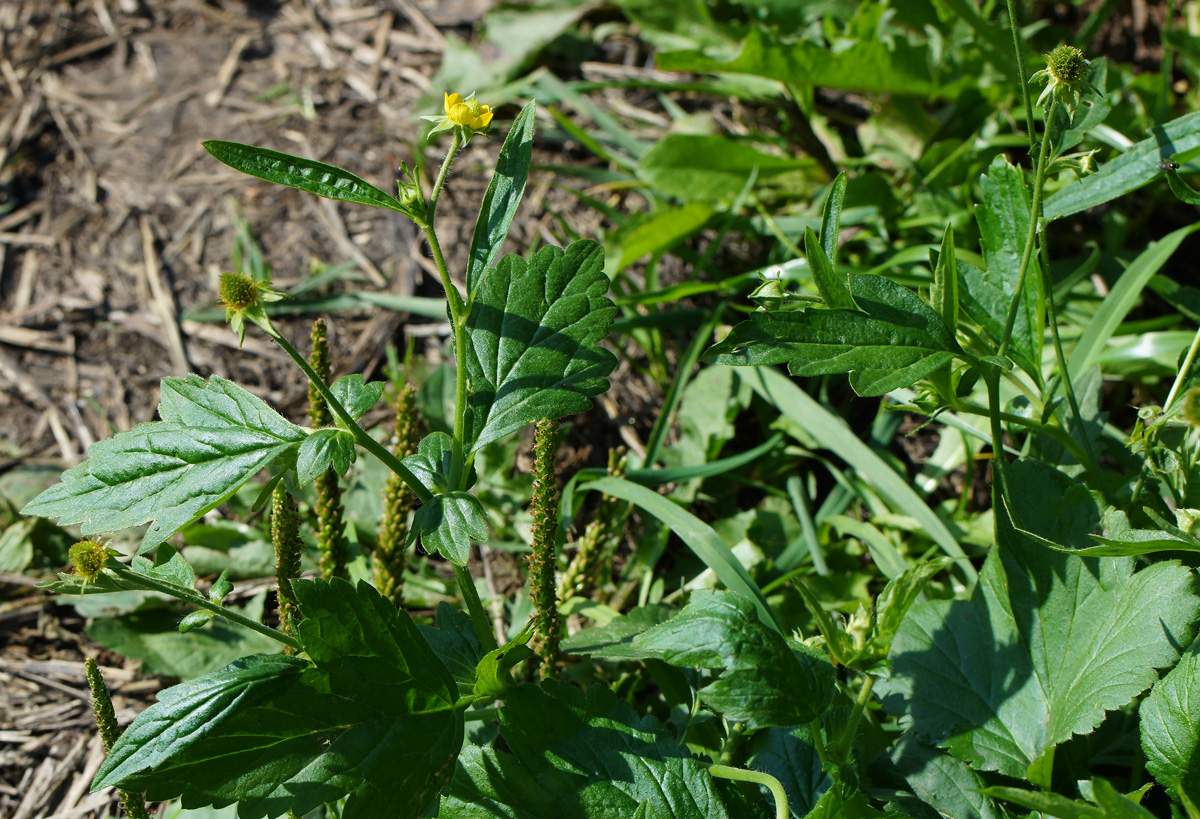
column 455, row 146
column 758, row 778
column 1057, row 433
column 993, row 390
column 851, row 730
column 1039, row 180
column 814, row 728
column 197, row 599
column 360, row 435
column 1185, row 368
column 1166, row 65
column 1016, row 35
column 483, row 628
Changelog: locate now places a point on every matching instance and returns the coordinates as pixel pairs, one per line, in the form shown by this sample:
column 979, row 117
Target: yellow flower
column 463, row 114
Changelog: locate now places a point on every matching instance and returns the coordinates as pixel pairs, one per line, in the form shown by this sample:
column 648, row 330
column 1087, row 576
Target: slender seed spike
column 285, row 535
column 134, row 804
column 331, row 539
column 389, row 558
column 542, row 560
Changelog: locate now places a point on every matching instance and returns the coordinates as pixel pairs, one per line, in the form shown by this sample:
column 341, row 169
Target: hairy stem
column 758, row 778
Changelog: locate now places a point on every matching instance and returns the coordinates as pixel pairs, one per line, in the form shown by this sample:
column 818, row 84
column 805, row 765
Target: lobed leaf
column 214, row 437
column 532, row 347
column 894, row 341
column 372, row 718
column 448, row 523
column 297, row 172
column 323, row 450
column 1170, row 726
column 356, row 395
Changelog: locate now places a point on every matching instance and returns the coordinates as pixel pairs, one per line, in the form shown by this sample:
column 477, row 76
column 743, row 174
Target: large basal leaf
column 1047, row 643
column 865, row 65
column 502, row 198
column 946, row 784
column 1003, row 228
column 1129, row 171
column 580, row 755
column 532, row 336
column 1170, row 725
column 373, row 718
column 297, row 172
column 764, row 681
column 892, row 342
column 214, row 437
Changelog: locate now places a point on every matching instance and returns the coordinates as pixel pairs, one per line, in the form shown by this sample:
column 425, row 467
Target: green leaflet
column 834, row 289
column 1170, row 726
column 764, row 681
column 697, row 168
column 434, row 462
column 455, row 643
column 941, row 781
column 831, row 218
column 579, row 755
column 449, row 523
column 894, row 342
column 1129, row 171
column 532, row 341
column 355, row 395
column 1046, row 645
column 614, row 640
column 214, row 437
column 297, row 172
column 985, row 299
column 376, row 708
column 865, row 65
column 323, row 450
column 1003, row 227
column 502, row 199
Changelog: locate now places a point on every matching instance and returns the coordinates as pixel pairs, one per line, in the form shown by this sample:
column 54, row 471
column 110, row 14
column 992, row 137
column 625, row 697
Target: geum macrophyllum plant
column 365, row 712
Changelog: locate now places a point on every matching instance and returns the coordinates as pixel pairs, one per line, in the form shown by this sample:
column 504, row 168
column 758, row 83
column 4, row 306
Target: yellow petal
column 482, row 120
column 453, row 100
column 460, row 113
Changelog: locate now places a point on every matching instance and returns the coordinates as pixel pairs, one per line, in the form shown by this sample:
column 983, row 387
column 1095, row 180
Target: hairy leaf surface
column 580, row 755
column 894, row 341
column 532, row 336
column 448, row 523
column 1046, row 645
column 324, row 449
column 1170, row 726
column 214, row 437
column 372, row 718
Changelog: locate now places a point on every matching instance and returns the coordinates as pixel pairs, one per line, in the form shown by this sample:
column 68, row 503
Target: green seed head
column 88, row 557
column 1067, row 64
column 238, row 291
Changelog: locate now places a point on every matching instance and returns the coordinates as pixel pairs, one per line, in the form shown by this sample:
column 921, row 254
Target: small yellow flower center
column 472, row 106
column 1067, row 64
column 238, row 291
column 88, row 557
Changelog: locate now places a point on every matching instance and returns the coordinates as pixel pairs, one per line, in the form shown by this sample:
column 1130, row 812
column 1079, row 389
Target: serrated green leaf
column 614, row 640
column 1003, row 228
column 1131, row 170
column 1046, row 645
column 894, row 341
column 831, row 218
column 455, row 643
column 374, row 719
column 948, row 785
column 493, row 677
column 297, row 172
column 448, row 523
column 579, row 755
column 834, row 289
column 357, row 396
column 944, row 293
column 532, row 341
column 1109, row 803
column 322, row 450
column 1170, row 726
column 703, row 168
column 788, row 754
column 434, row 462
column 502, row 199
column 983, row 299
column 764, row 681
column 213, row 438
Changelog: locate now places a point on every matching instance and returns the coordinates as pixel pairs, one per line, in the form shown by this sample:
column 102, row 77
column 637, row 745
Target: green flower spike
column 1066, row 77
column 106, row 719
column 244, row 298
column 463, row 114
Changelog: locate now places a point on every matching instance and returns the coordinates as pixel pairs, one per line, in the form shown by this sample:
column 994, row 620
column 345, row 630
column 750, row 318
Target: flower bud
column 88, row 557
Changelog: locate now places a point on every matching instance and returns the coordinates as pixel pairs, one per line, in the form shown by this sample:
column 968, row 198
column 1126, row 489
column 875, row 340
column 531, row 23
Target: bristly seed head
column 1067, row 64
column 88, row 557
column 238, row 291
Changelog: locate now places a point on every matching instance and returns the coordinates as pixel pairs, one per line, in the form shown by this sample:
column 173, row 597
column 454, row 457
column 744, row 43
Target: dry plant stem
column 196, row 599
column 285, row 535
column 360, row 436
column 543, row 559
column 134, row 804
